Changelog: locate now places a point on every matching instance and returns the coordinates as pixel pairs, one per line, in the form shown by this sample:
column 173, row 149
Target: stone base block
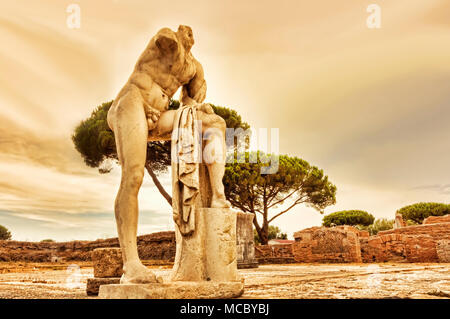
column 93, row 284
column 248, row 265
column 245, row 245
column 107, row 262
column 174, row 290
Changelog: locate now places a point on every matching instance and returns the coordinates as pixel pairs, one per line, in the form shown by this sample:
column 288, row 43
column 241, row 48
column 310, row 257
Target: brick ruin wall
column 429, row 242
column 157, row 246
column 274, row 254
column 327, row 245
column 420, row 243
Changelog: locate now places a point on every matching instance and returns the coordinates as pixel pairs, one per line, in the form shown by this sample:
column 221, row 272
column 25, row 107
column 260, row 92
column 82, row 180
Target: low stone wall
column 157, row 246
column 429, row 242
column 327, row 245
column 417, row 243
column 274, row 254
column 245, row 245
column 443, row 250
column 436, row 219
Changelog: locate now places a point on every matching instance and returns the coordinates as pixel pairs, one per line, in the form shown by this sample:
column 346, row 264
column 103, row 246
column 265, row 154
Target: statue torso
column 159, row 75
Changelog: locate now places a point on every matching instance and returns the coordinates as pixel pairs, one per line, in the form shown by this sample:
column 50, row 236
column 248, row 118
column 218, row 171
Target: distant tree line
column 412, row 214
column 5, row 234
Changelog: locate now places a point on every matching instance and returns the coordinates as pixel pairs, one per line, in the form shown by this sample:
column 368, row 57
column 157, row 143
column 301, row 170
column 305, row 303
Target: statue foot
column 135, row 272
column 220, row 202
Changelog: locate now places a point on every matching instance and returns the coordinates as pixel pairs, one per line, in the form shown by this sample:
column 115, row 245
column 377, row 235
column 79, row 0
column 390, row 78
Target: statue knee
column 132, row 178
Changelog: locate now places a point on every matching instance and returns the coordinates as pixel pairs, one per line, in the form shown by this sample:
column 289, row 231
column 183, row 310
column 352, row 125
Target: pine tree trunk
column 158, row 184
column 263, row 236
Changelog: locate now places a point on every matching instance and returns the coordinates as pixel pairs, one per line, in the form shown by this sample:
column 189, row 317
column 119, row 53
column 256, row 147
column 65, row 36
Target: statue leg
column 214, row 152
column 128, row 121
column 214, row 155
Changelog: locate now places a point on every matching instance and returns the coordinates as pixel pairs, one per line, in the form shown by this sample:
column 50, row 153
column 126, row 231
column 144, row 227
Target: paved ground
column 24, row 280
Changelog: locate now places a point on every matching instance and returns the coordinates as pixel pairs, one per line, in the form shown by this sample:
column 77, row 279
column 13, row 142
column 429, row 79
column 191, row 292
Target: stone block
column 443, row 250
column 93, row 284
column 210, row 252
column 245, row 245
column 436, row 219
column 174, row 290
column 107, row 262
column 323, row 244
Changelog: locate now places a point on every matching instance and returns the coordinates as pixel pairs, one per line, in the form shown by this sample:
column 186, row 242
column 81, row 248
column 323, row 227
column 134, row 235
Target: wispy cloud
column 438, row 188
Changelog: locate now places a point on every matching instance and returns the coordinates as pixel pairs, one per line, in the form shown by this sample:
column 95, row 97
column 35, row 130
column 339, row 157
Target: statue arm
column 195, row 91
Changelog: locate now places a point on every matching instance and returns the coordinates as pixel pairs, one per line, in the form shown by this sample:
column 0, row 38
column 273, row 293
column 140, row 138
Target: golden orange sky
column 369, row 106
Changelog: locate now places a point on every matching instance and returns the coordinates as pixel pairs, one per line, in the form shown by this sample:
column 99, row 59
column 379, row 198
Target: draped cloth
column 185, row 168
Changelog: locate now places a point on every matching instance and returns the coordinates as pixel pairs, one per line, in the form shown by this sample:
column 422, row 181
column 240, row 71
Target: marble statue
column 140, row 114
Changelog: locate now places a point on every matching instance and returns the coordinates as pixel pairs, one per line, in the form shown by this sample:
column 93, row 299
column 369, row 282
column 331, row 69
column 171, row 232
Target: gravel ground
column 299, row 281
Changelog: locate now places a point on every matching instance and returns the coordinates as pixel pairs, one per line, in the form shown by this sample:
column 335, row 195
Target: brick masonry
column 274, row 254
column 327, row 245
column 417, row 243
column 429, row 242
column 156, row 246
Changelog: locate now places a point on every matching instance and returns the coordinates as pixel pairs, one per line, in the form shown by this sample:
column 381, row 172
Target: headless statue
column 140, row 114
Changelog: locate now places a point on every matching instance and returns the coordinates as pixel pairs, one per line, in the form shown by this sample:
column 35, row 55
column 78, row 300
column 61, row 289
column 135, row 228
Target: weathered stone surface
column 443, row 250
column 107, row 262
column 245, row 245
column 156, row 246
column 363, row 234
column 321, row 244
column 383, row 248
column 274, row 254
column 407, row 244
column 300, row 281
column 436, row 219
column 399, row 222
column 276, row 260
column 210, row 252
column 93, row 284
column 174, row 290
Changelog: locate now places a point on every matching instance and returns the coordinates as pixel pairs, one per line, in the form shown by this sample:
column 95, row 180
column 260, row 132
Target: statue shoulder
column 166, row 40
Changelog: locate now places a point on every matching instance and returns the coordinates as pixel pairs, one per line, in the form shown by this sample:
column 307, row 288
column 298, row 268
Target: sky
column 370, row 107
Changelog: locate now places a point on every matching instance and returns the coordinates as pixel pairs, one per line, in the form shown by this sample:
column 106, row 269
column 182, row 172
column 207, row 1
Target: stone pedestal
column 245, row 244
column 210, row 253
column 108, row 264
column 205, row 263
column 174, row 290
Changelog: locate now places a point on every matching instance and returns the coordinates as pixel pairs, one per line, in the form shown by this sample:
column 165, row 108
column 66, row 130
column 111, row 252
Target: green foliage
column 378, row 225
column 94, row 140
column 5, row 234
column 274, row 233
column 348, row 217
column 418, row 212
column 249, row 190
column 231, row 117
column 47, row 241
column 295, row 181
